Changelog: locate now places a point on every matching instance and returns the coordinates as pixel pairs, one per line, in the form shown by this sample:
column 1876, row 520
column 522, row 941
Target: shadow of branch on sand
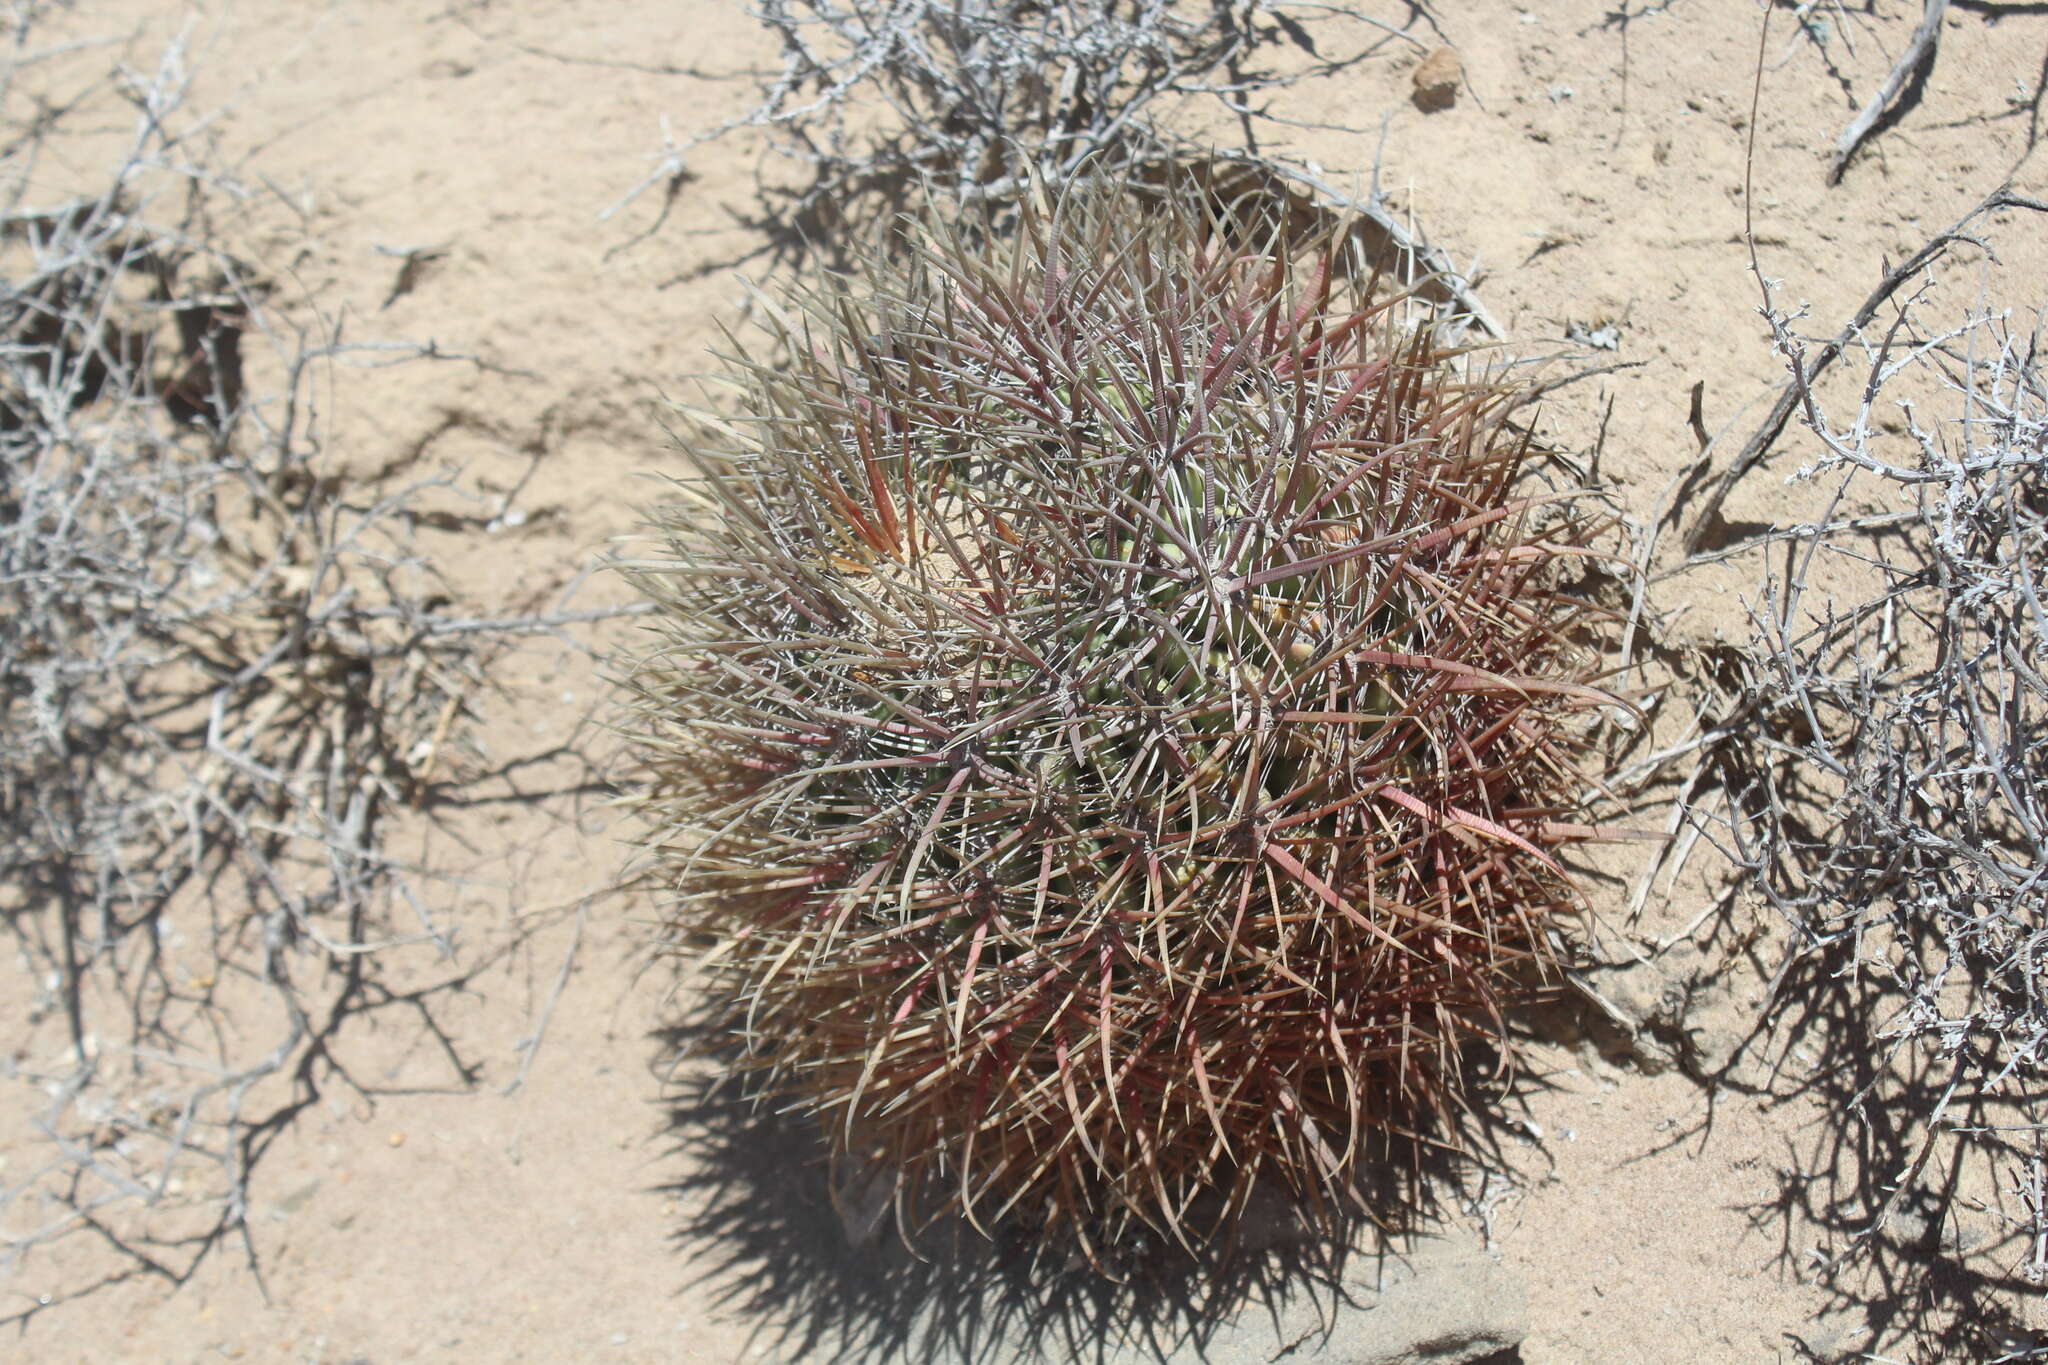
column 1906, row 1224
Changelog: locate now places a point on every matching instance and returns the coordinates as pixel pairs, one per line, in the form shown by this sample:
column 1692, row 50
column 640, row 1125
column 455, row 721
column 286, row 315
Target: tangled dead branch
column 987, row 93
column 1876, row 750
column 227, row 680
column 983, row 98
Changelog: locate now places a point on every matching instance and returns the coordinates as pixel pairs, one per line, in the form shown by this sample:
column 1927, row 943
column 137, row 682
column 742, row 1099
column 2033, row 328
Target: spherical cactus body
column 1115, row 704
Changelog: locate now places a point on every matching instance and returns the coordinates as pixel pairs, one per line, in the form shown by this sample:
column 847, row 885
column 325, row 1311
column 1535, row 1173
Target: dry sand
column 1592, row 163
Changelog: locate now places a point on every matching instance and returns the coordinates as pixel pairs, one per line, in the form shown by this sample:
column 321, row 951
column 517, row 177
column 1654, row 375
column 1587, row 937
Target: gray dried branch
column 986, row 96
column 1876, row 748
column 1919, row 51
column 226, row 677
column 1798, row 388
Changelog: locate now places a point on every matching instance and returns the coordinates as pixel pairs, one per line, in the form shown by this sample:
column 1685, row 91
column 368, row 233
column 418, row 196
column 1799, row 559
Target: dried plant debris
column 225, row 678
column 1885, row 104
column 1882, row 783
column 1116, row 710
column 984, row 96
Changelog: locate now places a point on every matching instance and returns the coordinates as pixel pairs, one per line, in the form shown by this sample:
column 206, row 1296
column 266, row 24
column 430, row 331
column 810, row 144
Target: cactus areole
column 1111, row 713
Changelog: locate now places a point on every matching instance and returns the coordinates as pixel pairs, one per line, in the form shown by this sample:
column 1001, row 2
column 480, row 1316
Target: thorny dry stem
column 990, row 93
column 226, row 680
column 1870, row 761
column 988, row 98
column 1791, row 397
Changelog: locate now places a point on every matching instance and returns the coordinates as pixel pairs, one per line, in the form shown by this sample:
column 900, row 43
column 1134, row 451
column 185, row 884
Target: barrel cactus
column 1113, row 713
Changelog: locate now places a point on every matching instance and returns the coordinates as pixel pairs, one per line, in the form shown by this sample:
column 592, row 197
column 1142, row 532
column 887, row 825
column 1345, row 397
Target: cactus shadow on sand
column 757, row 1229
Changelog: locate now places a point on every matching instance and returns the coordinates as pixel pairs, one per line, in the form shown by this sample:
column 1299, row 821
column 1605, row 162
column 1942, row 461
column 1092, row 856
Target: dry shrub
column 226, row 679
column 876, row 101
column 1883, row 784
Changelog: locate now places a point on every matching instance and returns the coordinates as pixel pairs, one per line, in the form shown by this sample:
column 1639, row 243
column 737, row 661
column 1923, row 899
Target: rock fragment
column 1437, row 80
column 1444, row 1301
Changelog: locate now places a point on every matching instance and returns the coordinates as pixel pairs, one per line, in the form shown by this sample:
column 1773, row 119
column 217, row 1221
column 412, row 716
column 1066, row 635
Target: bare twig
column 1919, row 51
column 1799, row 387
column 1884, row 791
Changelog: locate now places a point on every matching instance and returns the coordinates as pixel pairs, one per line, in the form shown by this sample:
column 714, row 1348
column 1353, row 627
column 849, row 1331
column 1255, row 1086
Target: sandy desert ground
column 456, row 1196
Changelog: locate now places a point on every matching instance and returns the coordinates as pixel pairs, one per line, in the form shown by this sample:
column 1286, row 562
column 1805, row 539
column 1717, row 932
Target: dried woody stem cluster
column 1873, row 762
column 1115, row 712
column 223, row 679
column 986, row 97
